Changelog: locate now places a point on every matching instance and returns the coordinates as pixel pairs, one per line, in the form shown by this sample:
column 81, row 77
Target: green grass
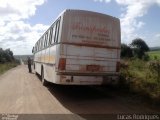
column 154, row 55
column 140, row 79
column 6, row 66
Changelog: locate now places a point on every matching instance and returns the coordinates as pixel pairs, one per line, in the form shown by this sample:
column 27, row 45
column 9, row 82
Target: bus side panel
column 49, row 72
column 52, row 56
column 38, row 68
column 43, row 56
column 46, row 57
column 49, row 66
column 37, row 60
column 46, row 60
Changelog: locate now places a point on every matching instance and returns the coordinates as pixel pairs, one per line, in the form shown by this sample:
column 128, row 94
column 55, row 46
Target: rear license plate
column 93, row 68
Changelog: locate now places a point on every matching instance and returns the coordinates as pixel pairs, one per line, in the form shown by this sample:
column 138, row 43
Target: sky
column 22, row 22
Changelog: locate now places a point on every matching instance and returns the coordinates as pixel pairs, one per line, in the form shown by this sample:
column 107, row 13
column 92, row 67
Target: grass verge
column 154, row 55
column 6, row 66
column 137, row 78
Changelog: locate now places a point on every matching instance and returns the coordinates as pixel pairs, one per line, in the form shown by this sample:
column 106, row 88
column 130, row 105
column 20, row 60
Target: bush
column 126, row 51
column 146, row 57
column 154, row 67
column 139, row 47
column 155, row 57
column 6, row 56
column 142, row 78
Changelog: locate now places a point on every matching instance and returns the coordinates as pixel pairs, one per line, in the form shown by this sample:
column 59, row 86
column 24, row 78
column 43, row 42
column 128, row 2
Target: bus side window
column 57, row 31
column 46, row 38
column 40, row 43
column 36, row 47
column 44, row 41
column 50, row 35
column 53, row 33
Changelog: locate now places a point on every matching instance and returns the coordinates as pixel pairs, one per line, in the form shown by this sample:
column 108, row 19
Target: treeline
column 6, row 56
column 139, row 74
column 137, row 48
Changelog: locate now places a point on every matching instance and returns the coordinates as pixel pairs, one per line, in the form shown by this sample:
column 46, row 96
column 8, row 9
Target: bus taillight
column 62, row 64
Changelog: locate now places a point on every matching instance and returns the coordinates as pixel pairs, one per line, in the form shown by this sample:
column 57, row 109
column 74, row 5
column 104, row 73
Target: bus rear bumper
column 87, row 80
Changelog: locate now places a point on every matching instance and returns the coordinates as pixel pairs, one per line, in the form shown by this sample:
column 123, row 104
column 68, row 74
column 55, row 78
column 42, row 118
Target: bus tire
column 44, row 82
column 34, row 66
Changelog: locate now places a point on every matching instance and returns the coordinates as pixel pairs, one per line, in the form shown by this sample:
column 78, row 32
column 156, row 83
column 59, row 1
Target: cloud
column 14, row 32
column 154, row 39
column 107, row 1
column 134, row 9
column 131, row 11
column 19, row 32
column 13, row 10
column 157, row 35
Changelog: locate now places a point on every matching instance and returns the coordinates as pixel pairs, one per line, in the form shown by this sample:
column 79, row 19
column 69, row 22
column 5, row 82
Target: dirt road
column 23, row 93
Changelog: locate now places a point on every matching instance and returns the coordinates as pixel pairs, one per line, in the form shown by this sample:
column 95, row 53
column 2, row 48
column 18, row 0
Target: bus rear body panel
column 88, row 65
column 90, row 47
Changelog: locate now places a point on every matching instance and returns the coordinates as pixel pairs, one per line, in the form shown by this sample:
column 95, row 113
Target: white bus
column 79, row 48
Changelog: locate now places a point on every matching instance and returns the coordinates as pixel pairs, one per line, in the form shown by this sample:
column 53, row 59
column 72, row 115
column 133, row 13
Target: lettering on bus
column 79, row 26
column 101, row 35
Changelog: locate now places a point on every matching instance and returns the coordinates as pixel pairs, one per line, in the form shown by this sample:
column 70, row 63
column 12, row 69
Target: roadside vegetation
column 6, row 66
column 154, row 55
column 140, row 71
column 7, row 60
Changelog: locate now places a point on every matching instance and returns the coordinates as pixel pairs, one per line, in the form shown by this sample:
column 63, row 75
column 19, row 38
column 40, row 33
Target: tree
column 2, row 56
column 6, row 55
column 126, row 51
column 139, row 47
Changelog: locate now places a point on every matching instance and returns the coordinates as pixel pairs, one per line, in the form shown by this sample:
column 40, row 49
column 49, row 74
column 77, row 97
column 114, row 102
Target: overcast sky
column 22, row 22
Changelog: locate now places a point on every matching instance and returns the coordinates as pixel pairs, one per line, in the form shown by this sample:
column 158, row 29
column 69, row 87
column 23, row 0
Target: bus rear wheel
column 44, row 82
